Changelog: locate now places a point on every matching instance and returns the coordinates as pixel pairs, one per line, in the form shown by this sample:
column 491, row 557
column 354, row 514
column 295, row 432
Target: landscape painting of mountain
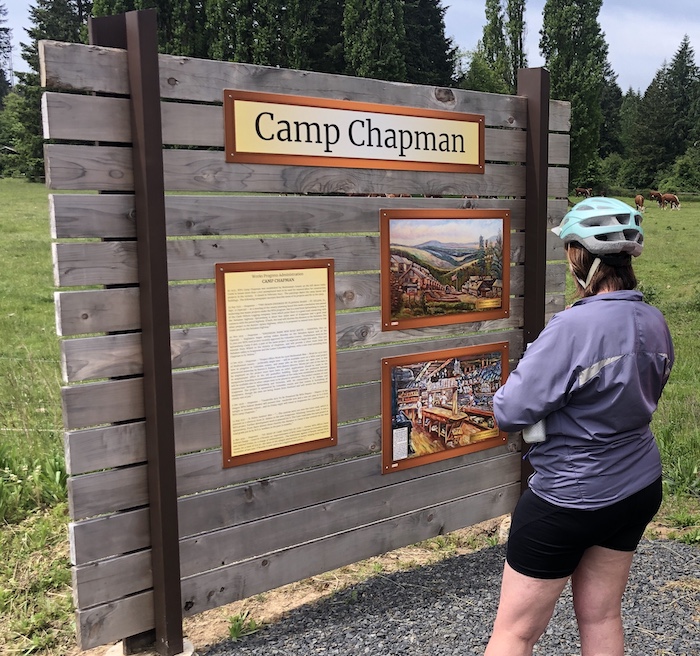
column 446, row 266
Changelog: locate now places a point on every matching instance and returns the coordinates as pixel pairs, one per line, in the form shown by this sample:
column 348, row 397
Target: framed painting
column 443, row 266
column 439, row 404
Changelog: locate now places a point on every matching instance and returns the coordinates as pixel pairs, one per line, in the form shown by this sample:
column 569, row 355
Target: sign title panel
column 293, row 130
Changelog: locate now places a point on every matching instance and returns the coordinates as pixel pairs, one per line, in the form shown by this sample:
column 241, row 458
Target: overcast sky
column 641, row 34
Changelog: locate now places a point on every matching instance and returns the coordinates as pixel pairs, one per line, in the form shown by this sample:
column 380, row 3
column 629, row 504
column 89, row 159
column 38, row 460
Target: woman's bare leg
column 598, row 585
column 524, row 610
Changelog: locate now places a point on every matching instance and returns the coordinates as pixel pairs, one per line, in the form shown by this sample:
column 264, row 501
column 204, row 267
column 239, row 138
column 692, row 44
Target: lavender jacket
column 596, row 373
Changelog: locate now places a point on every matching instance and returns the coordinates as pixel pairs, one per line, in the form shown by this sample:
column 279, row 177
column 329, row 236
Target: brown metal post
column 534, row 84
column 138, row 31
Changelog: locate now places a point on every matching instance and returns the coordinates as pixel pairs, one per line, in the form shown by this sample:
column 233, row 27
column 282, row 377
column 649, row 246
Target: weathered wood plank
column 559, row 149
column 93, row 404
column 228, row 584
column 112, row 216
column 126, row 488
column 107, row 168
column 112, row 356
column 90, row 68
column 96, row 118
column 107, row 580
column 115, row 621
column 559, row 116
column 102, row 624
column 110, row 535
column 125, row 444
column 116, row 309
column 115, row 263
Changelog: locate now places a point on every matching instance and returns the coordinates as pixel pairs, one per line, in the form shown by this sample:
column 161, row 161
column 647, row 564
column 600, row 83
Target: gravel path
column 447, row 609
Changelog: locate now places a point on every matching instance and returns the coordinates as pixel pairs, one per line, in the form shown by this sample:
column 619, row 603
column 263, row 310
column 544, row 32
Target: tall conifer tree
column 373, row 35
column 430, row 55
column 575, row 53
column 5, row 53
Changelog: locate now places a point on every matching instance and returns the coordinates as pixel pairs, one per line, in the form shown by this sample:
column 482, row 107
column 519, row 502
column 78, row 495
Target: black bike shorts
column 548, row 541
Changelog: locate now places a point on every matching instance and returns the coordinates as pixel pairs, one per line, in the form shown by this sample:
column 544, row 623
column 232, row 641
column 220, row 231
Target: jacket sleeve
column 542, row 381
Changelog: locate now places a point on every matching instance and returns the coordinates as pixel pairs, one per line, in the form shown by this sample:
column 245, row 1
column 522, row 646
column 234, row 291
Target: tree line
column 629, row 140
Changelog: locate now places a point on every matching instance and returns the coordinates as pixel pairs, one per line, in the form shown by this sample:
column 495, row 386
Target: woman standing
column 596, row 373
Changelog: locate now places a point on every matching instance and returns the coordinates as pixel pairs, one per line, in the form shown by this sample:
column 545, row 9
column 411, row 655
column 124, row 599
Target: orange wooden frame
column 391, row 419
column 232, row 156
column 227, row 435
column 390, row 322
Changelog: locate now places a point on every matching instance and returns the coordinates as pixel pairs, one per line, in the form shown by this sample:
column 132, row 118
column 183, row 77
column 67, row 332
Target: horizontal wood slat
column 110, row 535
column 92, row 68
column 92, row 404
column 106, row 623
column 96, row 118
column 109, row 168
column 98, row 583
column 113, row 216
column 115, row 262
column 116, row 309
column 113, row 356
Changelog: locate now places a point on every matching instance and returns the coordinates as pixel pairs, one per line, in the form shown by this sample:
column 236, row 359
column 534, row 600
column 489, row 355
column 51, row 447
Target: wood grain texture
column 115, row 262
column 205, row 215
column 106, row 623
column 107, row 580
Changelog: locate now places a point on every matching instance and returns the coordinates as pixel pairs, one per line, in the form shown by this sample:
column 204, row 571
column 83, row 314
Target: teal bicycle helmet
column 603, row 226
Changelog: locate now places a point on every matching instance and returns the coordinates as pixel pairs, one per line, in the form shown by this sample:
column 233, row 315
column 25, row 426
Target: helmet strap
column 591, row 273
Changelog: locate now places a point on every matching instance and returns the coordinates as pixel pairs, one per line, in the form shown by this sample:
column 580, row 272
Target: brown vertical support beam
column 534, row 84
column 138, row 31
column 149, row 188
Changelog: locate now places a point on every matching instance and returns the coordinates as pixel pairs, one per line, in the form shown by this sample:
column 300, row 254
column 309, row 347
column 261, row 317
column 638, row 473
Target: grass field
column 35, row 606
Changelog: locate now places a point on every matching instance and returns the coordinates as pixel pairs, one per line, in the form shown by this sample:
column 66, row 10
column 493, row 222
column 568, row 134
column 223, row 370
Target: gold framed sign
column 266, row 128
column 444, row 266
column 277, row 371
column 439, row 405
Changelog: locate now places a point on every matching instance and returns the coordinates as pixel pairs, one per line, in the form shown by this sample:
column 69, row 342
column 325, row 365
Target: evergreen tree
column 245, row 32
column 492, row 47
column 646, row 147
column 682, row 83
column 501, row 46
column 515, row 39
column 629, row 119
column 5, row 54
column 373, row 34
column 429, row 54
column 60, row 20
column 575, row 52
column 480, row 75
column 312, row 37
column 219, row 29
column 610, row 104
